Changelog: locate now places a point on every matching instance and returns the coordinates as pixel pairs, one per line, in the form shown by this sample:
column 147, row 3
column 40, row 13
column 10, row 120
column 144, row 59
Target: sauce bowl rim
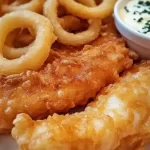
column 117, row 16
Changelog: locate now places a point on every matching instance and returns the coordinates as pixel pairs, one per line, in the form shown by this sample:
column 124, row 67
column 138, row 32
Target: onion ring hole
column 18, row 40
column 71, row 23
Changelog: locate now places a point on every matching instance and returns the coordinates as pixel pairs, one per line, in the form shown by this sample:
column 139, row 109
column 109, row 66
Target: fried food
column 118, row 120
column 65, row 83
column 39, row 49
column 71, row 23
column 32, row 5
column 81, row 38
column 87, row 2
column 100, row 11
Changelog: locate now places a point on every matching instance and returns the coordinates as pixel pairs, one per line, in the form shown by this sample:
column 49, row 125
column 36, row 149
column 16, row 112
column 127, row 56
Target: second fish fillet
column 119, row 119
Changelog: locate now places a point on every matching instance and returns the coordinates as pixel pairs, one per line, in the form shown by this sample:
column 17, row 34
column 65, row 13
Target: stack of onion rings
column 102, row 11
column 69, row 29
column 37, row 52
column 50, row 11
column 33, row 5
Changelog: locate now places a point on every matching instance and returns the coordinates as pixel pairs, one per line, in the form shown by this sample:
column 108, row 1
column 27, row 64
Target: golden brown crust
column 70, row 76
column 63, row 84
column 118, row 120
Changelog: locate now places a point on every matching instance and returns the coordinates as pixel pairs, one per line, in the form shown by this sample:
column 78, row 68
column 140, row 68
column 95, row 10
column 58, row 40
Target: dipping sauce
column 136, row 14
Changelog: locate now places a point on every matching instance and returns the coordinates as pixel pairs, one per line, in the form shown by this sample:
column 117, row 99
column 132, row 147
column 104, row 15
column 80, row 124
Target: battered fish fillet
column 119, row 119
column 63, row 84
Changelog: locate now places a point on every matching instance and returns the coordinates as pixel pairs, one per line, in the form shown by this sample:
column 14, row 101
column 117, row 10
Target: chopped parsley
column 136, row 12
column 140, row 11
column 140, row 19
column 146, row 3
column 140, row 2
column 126, row 9
column 147, row 27
column 145, row 12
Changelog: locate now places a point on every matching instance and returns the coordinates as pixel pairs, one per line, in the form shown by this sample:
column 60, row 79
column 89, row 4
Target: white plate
column 8, row 143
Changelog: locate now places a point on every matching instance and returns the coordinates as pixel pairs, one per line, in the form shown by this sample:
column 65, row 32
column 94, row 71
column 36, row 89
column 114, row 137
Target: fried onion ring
column 33, row 5
column 38, row 52
column 22, row 1
column 50, row 10
column 87, row 2
column 102, row 11
column 18, row 2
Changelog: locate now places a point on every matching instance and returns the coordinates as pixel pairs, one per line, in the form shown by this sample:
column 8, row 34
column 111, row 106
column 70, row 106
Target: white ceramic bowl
column 138, row 42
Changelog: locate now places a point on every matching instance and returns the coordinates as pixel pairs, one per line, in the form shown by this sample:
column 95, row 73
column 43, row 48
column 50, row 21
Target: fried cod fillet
column 118, row 119
column 63, row 84
column 70, row 77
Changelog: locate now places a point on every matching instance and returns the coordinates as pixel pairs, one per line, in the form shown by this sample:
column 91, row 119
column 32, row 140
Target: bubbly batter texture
column 117, row 120
column 63, row 84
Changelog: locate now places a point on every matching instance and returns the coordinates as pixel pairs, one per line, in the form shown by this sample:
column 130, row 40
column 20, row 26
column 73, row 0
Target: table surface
column 8, row 143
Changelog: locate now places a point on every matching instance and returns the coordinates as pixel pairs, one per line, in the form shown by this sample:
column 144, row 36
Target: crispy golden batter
column 63, row 84
column 70, row 77
column 118, row 120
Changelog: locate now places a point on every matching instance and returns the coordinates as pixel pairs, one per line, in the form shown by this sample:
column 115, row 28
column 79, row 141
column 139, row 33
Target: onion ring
column 10, row 52
column 19, row 2
column 102, row 11
column 72, row 23
column 50, row 10
column 87, row 2
column 40, row 48
column 33, row 5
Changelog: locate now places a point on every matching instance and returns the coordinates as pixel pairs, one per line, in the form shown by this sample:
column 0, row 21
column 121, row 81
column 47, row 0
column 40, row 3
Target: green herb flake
column 140, row 2
column 140, row 19
column 147, row 3
column 126, row 9
column 145, row 12
column 136, row 12
column 147, row 27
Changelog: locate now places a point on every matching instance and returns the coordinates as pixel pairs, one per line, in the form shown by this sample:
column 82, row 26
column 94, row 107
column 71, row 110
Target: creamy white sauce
column 136, row 14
